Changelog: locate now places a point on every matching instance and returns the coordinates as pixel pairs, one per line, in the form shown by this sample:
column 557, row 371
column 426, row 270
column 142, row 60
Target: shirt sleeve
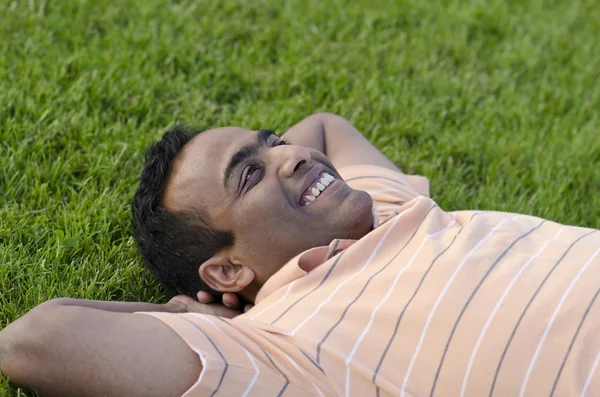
column 389, row 189
column 239, row 359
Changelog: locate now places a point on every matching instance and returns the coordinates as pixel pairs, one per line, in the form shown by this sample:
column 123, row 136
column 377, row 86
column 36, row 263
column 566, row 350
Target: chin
column 358, row 215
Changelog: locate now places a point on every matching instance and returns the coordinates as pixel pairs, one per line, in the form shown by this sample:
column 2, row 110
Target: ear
column 221, row 274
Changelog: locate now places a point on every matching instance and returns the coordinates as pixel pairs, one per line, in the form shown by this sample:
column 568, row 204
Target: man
column 362, row 285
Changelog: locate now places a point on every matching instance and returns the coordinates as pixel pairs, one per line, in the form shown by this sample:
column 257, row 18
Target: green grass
column 495, row 101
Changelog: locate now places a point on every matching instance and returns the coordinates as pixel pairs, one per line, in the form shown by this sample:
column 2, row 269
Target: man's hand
column 230, row 301
column 185, row 304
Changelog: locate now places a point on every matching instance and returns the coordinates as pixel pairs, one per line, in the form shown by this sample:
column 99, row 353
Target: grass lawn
column 496, row 102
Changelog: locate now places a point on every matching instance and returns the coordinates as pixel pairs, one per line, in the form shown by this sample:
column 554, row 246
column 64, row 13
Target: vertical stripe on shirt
column 497, row 307
column 590, row 376
column 526, row 309
column 366, row 284
column 399, row 320
column 562, row 366
column 365, row 265
column 470, row 299
column 441, row 296
column 551, row 322
column 386, row 297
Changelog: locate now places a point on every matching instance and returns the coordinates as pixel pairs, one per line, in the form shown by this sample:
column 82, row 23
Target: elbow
column 18, row 341
column 3, row 353
column 21, row 343
column 10, row 344
column 11, row 365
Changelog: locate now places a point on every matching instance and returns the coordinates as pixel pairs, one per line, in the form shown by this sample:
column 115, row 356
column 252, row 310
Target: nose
column 290, row 158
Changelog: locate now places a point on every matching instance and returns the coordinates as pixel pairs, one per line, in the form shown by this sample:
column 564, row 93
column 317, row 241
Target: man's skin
column 68, row 347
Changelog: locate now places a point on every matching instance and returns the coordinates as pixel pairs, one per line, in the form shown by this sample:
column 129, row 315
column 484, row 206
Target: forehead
column 200, row 165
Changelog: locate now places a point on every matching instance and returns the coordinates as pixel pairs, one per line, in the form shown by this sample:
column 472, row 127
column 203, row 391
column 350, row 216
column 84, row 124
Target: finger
column 182, row 303
column 222, row 311
column 204, row 297
column 231, row 300
column 206, row 308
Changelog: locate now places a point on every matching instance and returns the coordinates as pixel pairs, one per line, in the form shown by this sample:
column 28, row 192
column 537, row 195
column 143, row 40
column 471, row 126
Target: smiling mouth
column 314, row 190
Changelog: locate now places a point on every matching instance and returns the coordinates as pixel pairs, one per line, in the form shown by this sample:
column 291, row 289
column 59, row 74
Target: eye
column 250, row 170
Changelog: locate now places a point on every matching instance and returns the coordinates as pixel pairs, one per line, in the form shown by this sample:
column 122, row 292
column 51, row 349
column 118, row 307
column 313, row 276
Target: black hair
column 173, row 244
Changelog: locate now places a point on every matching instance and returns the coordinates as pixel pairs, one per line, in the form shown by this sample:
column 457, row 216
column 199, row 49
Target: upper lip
column 310, row 177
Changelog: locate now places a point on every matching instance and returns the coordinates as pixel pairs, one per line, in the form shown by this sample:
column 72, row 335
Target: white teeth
column 321, row 184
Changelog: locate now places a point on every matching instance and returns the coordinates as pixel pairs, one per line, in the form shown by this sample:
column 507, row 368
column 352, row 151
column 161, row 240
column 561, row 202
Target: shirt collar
column 308, row 260
column 301, row 265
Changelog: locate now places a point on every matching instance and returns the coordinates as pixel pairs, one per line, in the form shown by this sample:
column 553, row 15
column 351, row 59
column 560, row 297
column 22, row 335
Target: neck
column 249, row 293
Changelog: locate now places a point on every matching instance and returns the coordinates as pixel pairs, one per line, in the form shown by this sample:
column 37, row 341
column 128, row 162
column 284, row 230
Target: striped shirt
column 430, row 303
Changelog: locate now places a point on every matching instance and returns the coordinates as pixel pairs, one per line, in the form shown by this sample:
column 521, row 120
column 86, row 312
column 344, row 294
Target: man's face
column 252, row 184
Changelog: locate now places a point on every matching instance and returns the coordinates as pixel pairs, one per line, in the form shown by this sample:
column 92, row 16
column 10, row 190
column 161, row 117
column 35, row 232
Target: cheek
column 263, row 221
column 260, row 213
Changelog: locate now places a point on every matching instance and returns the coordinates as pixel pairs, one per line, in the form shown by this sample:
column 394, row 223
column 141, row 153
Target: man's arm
column 177, row 304
column 69, row 350
column 115, row 306
column 339, row 140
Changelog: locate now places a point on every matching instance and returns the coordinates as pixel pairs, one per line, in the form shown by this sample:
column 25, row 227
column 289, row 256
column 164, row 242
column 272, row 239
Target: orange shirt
column 430, row 303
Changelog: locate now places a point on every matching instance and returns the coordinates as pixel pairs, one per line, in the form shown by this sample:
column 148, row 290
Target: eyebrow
column 245, row 152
